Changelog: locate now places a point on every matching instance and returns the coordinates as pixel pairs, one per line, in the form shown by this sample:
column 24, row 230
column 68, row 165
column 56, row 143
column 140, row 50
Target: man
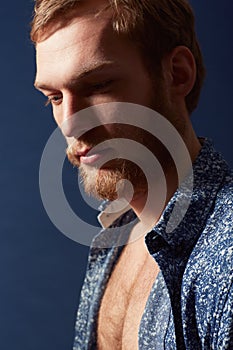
column 165, row 289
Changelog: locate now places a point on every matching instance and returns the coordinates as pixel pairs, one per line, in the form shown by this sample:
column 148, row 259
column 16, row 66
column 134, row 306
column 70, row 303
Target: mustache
column 93, row 138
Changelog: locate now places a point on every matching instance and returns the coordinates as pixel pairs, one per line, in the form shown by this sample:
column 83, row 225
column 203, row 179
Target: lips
column 94, row 157
column 85, row 156
column 83, row 153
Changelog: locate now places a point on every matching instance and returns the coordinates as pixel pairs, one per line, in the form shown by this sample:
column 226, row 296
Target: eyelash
column 94, row 88
column 51, row 101
column 99, row 86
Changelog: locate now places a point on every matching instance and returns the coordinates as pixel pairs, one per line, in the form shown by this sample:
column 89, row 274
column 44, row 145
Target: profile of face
column 83, row 64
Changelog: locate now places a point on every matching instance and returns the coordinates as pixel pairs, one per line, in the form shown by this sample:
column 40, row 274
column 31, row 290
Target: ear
column 182, row 71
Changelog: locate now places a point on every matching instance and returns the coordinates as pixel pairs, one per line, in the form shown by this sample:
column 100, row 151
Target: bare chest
column 125, row 299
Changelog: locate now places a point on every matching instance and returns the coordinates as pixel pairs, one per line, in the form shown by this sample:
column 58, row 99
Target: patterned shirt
column 190, row 305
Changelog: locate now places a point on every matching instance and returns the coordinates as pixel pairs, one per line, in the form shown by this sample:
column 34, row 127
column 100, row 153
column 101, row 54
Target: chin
column 104, row 183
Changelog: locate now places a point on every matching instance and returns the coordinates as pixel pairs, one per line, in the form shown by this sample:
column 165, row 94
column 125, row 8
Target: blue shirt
column 191, row 302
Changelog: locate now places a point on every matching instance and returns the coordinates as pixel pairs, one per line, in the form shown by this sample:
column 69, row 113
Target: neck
column 149, row 206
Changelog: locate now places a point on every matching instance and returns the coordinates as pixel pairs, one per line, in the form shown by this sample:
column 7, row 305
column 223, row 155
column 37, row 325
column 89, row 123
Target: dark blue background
column 41, row 270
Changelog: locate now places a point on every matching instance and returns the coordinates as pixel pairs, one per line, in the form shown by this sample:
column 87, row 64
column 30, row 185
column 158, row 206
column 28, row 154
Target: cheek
column 126, row 131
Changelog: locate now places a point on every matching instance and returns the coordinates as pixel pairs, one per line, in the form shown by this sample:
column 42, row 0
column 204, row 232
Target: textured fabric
column 191, row 302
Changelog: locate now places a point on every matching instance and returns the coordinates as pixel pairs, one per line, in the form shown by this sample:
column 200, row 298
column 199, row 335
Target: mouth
column 91, row 156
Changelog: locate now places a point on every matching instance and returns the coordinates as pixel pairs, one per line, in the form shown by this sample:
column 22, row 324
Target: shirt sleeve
column 224, row 333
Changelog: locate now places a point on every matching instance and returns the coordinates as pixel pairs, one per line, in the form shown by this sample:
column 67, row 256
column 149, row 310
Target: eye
column 101, row 87
column 54, row 100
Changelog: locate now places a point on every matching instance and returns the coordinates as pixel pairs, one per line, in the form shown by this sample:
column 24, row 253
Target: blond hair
column 157, row 26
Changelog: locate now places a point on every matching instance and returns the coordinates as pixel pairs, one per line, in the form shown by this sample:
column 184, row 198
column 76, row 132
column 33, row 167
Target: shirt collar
column 111, row 211
column 209, row 170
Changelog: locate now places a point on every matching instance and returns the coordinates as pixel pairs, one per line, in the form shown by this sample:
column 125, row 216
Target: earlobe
column 183, row 70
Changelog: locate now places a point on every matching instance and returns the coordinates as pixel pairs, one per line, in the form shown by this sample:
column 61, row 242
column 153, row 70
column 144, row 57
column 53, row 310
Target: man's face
column 84, row 64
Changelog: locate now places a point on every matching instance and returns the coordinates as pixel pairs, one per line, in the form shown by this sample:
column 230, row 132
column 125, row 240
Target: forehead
column 82, row 39
column 87, row 40
column 62, row 26
column 77, row 32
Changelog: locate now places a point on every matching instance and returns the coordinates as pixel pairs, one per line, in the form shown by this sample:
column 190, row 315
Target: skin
column 93, row 71
column 83, row 64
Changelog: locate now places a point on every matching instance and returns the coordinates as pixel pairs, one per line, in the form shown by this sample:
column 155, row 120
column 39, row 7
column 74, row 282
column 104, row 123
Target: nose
column 71, row 120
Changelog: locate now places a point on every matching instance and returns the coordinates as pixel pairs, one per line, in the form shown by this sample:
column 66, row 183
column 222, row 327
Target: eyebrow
column 86, row 71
